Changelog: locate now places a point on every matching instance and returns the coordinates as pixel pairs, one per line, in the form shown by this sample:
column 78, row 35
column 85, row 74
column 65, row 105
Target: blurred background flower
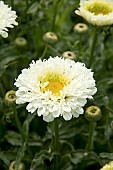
column 7, row 19
column 96, row 12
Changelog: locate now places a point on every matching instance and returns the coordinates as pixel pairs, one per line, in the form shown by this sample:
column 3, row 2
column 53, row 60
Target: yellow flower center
column 99, row 8
column 54, row 87
column 56, row 83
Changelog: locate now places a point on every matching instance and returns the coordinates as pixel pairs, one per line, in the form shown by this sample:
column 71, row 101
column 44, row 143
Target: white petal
column 66, row 108
column 48, row 118
column 4, row 34
column 41, row 111
column 67, row 115
column 56, row 113
column 30, row 108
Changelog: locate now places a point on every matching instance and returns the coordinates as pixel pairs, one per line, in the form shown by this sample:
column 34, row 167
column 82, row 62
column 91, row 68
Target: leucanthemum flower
column 55, row 87
column 7, row 19
column 96, row 12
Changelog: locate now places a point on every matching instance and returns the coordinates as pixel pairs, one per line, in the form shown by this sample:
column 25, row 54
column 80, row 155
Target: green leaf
column 25, row 126
column 33, row 8
column 79, row 155
column 20, row 155
column 66, row 13
column 22, row 149
column 106, row 155
column 8, row 54
column 13, row 138
column 4, row 159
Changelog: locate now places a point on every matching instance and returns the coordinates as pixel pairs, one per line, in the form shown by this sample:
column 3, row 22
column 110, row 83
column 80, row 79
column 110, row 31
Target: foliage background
column 35, row 17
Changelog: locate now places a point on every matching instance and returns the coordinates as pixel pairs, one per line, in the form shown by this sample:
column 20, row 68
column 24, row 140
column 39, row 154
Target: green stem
column 80, row 43
column 56, row 142
column 90, row 143
column 18, row 122
column 93, row 47
column 44, row 52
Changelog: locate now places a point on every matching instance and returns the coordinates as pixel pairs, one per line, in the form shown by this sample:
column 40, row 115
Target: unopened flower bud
column 69, row 54
column 12, row 166
column 108, row 166
column 50, row 37
column 20, row 42
column 80, row 27
column 10, row 98
column 93, row 113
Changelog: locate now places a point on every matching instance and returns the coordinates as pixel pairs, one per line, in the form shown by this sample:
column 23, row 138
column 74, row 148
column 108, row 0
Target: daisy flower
column 7, row 19
column 96, row 12
column 55, row 87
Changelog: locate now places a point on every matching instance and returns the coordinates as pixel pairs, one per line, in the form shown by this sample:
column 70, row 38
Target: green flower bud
column 12, row 166
column 50, row 37
column 93, row 113
column 69, row 54
column 20, row 42
column 108, row 166
column 10, row 98
column 80, row 28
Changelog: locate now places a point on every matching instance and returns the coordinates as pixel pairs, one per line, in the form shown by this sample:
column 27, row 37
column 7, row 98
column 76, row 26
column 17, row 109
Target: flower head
column 96, row 12
column 7, row 19
column 55, row 87
column 108, row 166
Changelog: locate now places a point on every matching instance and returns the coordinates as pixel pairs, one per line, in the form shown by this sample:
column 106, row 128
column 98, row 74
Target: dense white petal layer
column 70, row 100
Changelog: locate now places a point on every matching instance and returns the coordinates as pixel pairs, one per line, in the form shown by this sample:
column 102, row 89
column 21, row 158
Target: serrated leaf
column 40, row 157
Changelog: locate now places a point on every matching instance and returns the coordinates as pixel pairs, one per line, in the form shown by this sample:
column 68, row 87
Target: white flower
column 7, row 19
column 96, row 12
column 55, row 87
